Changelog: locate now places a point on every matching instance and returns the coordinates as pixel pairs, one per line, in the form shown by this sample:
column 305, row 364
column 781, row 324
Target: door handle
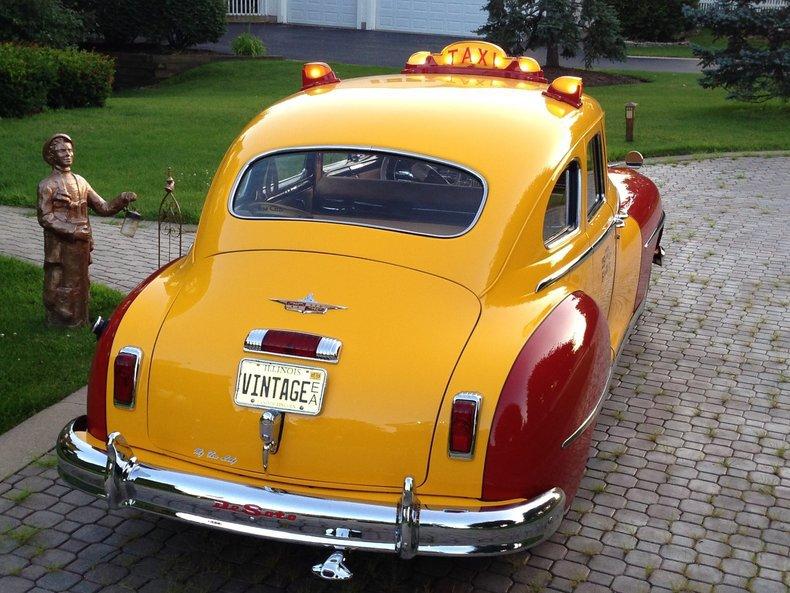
column 619, row 220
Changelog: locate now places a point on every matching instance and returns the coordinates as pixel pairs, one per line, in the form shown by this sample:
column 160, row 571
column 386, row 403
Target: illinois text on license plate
column 278, row 386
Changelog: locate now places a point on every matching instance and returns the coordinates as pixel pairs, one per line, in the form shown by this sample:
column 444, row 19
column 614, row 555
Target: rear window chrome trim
column 389, row 151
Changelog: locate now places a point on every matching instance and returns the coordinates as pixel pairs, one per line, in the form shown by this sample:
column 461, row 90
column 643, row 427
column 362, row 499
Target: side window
column 562, row 212
column 595, row 179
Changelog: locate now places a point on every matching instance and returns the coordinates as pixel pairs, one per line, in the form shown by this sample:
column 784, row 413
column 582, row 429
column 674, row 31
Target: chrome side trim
column 631, row 325
column 583, row 426
column 476, row 399
column 551, row 279
column 371, row 148
column 586, row 422
column 658, row 228
column 590, row 417
column 138, row 356
column 328, row 349
column 406, row 527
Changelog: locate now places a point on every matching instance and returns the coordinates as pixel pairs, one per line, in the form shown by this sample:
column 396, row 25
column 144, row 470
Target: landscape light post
column 630, row 112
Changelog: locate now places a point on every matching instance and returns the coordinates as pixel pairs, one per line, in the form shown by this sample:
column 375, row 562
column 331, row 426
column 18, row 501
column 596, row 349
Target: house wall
column 448, row 17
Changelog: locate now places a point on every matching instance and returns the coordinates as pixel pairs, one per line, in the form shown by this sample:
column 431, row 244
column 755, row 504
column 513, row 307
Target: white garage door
column 332, row 13
column 444, row 17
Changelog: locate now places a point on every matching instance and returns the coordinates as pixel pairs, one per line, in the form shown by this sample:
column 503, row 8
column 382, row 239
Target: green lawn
column 675, row 50
column 677, row 116
column 189, row 121
column 39, row 365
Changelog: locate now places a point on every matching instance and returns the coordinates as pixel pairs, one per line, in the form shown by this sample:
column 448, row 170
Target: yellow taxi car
column 397, row 323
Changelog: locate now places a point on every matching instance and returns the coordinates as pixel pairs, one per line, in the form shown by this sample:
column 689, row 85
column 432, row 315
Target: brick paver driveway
column 687, row 487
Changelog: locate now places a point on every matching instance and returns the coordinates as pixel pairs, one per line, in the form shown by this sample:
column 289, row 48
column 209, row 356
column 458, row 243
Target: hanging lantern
column 130, row 222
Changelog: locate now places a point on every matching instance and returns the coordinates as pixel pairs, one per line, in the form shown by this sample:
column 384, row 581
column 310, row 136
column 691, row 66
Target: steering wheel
column 414, row 170
column 271, row 180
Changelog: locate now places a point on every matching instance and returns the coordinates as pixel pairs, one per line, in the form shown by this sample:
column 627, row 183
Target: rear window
column 375, row 189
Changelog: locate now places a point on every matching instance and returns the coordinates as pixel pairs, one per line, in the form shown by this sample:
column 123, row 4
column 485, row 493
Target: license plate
column 273, row 385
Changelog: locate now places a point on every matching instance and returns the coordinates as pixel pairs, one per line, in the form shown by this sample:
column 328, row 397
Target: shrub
column 247, row 44
column 83, row 79
column 46, row 22
column 120, row 22
column 33, row 78
column 180, row 23
column 26, row 75
column 652, row 20
column 188, row 22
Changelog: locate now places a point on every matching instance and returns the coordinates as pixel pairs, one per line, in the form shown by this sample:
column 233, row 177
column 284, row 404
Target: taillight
column 126, row 370
column 463, row 425
column 97, row 384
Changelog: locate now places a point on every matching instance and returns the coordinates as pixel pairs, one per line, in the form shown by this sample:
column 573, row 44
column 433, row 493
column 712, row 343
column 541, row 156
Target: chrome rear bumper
column 403, row 528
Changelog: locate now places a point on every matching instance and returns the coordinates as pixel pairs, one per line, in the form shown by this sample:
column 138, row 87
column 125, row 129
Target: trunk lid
column 402, row 333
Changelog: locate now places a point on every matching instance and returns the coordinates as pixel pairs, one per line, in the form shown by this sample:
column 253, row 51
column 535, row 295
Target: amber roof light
column 316, row 74
column 567, row 89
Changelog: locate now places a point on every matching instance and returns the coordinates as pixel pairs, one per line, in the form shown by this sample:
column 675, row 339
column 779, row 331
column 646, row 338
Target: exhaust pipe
column 99, row 326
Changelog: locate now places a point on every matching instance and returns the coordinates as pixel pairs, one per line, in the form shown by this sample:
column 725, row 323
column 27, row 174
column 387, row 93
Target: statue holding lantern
column 63, row 201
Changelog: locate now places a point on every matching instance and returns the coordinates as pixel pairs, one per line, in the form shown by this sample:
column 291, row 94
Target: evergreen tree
column 561, row 26
column 753, row 66
column 652, row 20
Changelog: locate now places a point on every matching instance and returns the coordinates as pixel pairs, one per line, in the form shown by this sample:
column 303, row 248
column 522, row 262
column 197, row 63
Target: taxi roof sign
column 480, row 58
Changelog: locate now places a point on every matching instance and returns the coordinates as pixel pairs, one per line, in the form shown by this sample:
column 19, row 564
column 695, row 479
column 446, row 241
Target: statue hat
column 45, row 151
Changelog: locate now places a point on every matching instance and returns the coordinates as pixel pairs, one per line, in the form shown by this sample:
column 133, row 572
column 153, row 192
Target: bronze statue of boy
column 63, row 201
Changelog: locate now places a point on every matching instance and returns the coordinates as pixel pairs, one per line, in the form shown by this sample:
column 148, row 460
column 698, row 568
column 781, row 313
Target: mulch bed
column 592, row 77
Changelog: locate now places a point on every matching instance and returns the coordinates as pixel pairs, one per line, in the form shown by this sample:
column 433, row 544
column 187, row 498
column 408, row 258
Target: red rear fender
column 554, row 385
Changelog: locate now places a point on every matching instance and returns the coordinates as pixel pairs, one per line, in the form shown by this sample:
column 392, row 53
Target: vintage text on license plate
column 276, row 386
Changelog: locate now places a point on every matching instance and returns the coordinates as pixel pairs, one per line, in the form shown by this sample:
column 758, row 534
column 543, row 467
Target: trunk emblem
column 308, row 305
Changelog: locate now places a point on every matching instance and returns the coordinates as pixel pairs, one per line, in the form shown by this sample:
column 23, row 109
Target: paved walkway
column 119, row 262
column 387, row 48
column 687, row 487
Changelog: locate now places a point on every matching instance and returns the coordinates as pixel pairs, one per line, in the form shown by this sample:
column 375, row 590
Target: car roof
column 507, row 131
